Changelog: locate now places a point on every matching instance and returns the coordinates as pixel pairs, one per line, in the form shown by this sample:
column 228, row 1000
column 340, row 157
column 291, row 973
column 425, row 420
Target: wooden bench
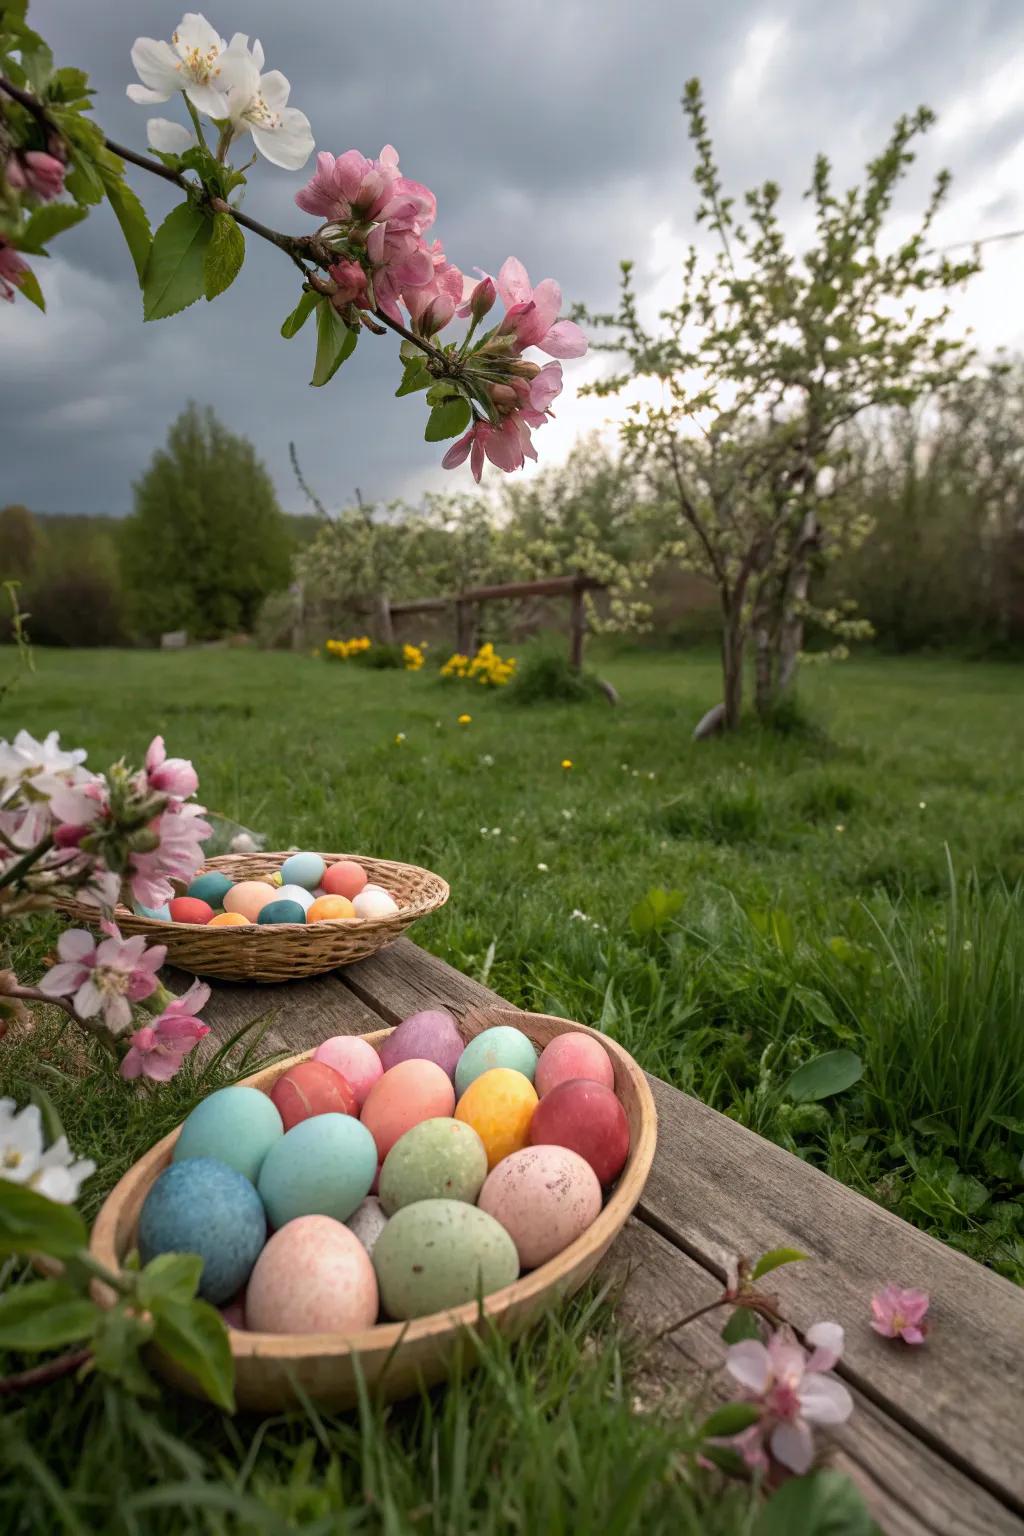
column 936, row 1442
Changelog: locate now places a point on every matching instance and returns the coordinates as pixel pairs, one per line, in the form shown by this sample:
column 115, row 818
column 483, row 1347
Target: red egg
column 573, row 1055
column 311, row 1088
column 189, row 909
column 344, row 878
column 411, row 1092
column 587, row 1118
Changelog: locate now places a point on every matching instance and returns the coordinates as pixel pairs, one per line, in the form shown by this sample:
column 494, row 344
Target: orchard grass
column 848, row 881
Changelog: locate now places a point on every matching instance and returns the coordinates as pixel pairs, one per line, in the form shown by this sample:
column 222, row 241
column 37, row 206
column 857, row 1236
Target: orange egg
column 229, row 920
column 412, row 1091
column 499, row 1105
column 328, row 909
column 248, row 897
column 344, row 878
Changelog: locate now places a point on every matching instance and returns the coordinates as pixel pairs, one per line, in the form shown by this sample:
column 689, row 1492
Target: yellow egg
column 248, row 897
column 229, row 920
column 499, row 1105
column 329, row 909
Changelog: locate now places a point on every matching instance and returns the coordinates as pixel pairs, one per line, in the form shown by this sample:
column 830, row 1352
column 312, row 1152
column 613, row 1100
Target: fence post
column 465, row 627
column 577, row 627
column 385, row 628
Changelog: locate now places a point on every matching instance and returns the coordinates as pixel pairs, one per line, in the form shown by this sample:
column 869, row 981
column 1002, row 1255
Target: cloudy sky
column 550, row 129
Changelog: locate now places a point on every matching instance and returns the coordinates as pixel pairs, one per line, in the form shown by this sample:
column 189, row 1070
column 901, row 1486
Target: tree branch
column 693, row 517
column 42, row 1375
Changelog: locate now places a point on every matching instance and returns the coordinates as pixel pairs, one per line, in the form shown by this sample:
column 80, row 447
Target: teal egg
column 282, row 912
column 204, row 1207
column 323, row 1166
column 159, row 914
column 502, row 1046
column 211, row 887
column 305, row 869
column 237, row 1126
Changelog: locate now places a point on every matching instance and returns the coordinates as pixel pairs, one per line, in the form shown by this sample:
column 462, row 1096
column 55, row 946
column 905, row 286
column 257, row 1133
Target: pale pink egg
column 357, row 1062
column 573, row 1055
column 411, row 1092
column 313, row 1276
column 249, row 897
column 544, row 1197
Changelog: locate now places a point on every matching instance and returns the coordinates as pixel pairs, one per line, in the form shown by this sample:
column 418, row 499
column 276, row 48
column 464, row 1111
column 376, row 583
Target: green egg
column 282, row 912
column 438, row 1254
column 501, row 1046
column 211, row 887
column 442, row 1159
column 236, row 1125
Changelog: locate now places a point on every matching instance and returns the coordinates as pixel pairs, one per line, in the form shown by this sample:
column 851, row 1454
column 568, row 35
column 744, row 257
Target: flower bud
column 481, row 300
column 144, row 841
column 504, row 396
column 351, row 281
column 436, row 315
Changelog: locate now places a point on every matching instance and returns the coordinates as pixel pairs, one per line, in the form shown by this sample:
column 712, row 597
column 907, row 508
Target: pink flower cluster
column 180, row 830
column 12, row 271
column 794, row 1391
column 158, row 1049
column 106, row 977
column 36, row 172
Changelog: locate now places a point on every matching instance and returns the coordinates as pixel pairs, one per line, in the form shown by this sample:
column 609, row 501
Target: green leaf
column 447, row 420
column 28, row 285
column 741, row 1325
column 731, row 1419
column 170, row 1276
column 193, row 1334
column 334, row 342
column 70, row 85
column 224, row 255
column 37, row 62
column 416, row 376
column 823, row 1075
column 50, row 220
column 1009, row 1123
column 53, row 1130
column 655, row 911
column 29, row 1223
column 775, row 1258
column 293, row 323
column 442, row 390
column 44, row 1315
column 174, row 271
column 131, row 216
column 119, row 1336
column 726, row 1459
column 824, row 1503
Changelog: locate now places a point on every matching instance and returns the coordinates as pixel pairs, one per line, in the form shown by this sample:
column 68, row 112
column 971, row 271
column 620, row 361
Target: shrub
column 544, row 676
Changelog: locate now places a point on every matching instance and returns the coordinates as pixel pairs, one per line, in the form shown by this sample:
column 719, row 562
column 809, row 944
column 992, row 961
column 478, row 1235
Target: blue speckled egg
column 211, row 887
column 159, row 914
column 237, row 1126
column 501, row 1046
column 305, row 869
column 323, row 1166
column 202, row 1206
column 282, row 912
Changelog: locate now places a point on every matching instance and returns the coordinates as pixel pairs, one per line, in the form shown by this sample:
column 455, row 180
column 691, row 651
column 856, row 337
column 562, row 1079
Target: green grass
column 818, row 911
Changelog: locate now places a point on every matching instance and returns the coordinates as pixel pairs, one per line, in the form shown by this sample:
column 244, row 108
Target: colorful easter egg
column 438, row 1254
column 374, row 901
column 330, row 909
column 189, row 909
column 158, row 914
column 344, row 878
column 297, row 893
column 430, row 1035
column 305, row 869
column 368, row 1222
column 441, row 1159
column 323, row 1166
column 356, row 1060
column 499, row 1105
column 233, row 1313
column 587, row 1118
column 203, row 1206
column 229, row 920
column 501, row 1046
column 282, row 912
column 311, row 1088
column 314, row 1276
column 212, row 886
column 411, row 1092
column 573, row 1055
column 235, row 1125
column 544, row 1197
column 248, row 897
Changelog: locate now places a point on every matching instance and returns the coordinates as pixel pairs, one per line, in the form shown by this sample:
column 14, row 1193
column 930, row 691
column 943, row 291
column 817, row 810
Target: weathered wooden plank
column 302, row 1013
column 910, row 1489
column 398, row 980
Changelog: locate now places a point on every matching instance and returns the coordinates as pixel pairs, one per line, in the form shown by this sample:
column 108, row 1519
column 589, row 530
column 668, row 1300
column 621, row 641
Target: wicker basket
column 284, row 951
column 275, row 1371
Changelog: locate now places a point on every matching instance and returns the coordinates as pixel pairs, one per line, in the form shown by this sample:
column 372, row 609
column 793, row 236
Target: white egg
column 374, row 901
column 297, row 893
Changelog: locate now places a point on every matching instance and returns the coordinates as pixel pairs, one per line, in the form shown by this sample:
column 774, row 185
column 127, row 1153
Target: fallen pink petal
column 899, row 1313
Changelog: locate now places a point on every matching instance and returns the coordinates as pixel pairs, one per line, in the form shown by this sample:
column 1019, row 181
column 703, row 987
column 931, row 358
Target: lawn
column 852, row 884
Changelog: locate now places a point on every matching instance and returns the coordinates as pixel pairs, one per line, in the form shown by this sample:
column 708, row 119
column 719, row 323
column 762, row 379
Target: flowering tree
column 368, row 266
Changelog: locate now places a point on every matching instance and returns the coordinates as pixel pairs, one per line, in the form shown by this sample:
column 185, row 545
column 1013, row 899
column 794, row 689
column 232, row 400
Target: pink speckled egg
column 573, row 1055
column 313, row 1276
column 357, row 1062
column 431, row 1035
column 249, row 897
column 233, row 1312
column 544, row 1197
column 411, row 1092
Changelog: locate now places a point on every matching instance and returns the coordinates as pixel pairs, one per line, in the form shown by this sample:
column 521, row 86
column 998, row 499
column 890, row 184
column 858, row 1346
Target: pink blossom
column 353, row 189
column 531, row 314
column 481, row 299
column 12, row 271
column 158, row 1050
column 43, row 173
column 181, row 833
column 351, row 281
column 794, row 1390
column 169, row 775
column 899, row 1314
column 105, row 978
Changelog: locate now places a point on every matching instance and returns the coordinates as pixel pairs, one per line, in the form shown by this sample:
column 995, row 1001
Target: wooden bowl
column 274, row 1371
column 285, row 951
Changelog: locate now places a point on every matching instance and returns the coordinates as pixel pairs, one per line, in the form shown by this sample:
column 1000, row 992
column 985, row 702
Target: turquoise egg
column 160, row 914
column 501, row 1046
column 203, row 1206
column 305, row 869
column 282, row 912
column 237, row 1126
column 211, row 887
column 323, row 1166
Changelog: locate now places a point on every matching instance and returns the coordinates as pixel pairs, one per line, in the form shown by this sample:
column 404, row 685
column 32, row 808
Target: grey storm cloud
column 550, row 129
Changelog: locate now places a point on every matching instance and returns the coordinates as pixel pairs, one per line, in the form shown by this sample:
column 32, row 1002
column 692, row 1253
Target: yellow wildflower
column 566, row 762
column 465, row 719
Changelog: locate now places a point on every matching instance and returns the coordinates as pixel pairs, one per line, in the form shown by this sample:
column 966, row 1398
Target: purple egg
column 431, row 1035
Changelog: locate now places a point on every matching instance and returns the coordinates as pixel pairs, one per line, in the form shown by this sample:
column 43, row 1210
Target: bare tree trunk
column 732, row 667
column 385, row 627
column 798, row 581
column 764, row 669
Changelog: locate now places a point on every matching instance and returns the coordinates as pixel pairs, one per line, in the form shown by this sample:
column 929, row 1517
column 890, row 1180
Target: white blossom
column 191, row 62
column 257, row 104
column 53, row 1172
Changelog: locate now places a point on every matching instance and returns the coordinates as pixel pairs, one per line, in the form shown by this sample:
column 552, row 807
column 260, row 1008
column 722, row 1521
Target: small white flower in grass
column 191, row 62
column 568, row 815
column 543, row 868
column 922, row 805
column 635, row 773
column 495, row 831
column 650, row 775
column 513, row 838
column 167, row 137
column 487, row 761
column 576, row 916
column 53, row 1171
column 840, row 827
column 258, row 104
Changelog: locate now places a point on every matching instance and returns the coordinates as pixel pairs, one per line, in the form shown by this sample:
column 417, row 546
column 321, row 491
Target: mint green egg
column 305, row 869
column 323, row 1166
column 211, row 887
column 237, row 1126
column 440, row 1159
column 438, row 1254
column 501, row 1046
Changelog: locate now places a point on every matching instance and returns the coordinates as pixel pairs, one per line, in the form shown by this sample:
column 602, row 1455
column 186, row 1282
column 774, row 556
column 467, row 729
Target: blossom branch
column 42, row 1375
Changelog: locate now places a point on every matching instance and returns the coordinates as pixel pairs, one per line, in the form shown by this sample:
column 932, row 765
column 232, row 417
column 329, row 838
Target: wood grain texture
column 301, row 1015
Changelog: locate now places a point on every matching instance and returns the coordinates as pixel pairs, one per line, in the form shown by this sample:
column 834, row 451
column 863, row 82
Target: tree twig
column 42, row 1375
